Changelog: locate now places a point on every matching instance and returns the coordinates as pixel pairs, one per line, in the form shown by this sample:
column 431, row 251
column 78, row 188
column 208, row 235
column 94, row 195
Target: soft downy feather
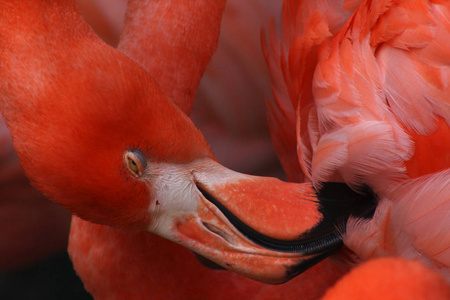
column 306, row 24
column 406, row 225
column 371, row 73
column 371, row 78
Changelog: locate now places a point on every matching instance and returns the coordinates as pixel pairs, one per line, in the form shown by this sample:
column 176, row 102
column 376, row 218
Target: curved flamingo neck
column 174, row 41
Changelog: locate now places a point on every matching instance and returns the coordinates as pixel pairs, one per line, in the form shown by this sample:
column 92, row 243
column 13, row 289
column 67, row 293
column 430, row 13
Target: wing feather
column 380, row 69
column 306, row 24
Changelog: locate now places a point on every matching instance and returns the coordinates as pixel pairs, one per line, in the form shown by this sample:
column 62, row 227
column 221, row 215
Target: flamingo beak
column 262, row 228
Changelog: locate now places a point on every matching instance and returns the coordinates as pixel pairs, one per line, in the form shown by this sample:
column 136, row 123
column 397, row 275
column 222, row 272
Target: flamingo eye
column 135, row 162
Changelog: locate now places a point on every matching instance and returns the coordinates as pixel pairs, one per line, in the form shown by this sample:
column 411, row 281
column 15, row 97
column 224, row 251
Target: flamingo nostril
column 215, row 230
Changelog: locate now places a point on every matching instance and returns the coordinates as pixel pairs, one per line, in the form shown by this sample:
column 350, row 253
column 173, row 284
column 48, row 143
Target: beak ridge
column 288, row 217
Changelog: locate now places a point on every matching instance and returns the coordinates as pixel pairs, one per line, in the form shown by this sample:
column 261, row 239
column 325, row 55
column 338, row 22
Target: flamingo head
column 109, row 146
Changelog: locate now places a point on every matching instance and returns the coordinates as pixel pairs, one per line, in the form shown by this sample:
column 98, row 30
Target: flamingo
column 134, row 166
column 26, row 236
column 118, row 92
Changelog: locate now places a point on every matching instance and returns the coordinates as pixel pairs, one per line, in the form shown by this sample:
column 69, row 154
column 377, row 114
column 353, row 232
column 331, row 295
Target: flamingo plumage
column 108, row 229
column 361, row 96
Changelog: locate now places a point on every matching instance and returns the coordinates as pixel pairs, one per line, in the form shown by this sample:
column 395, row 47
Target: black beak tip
column 305, row 264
